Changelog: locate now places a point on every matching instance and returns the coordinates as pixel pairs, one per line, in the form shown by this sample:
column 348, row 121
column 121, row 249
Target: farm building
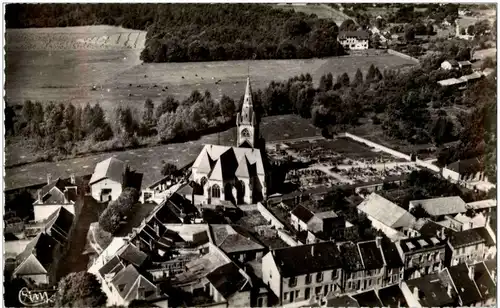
column 107, row 181
column 354, row 40
column 439, row 207
column 236, row 174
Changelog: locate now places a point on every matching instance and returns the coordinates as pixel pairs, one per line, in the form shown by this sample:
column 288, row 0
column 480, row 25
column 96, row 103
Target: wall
column 409, row 297
column 271, row 275
column 287, row 238
column 44, row 211
column 388, row 231
column 402, row 55
column 301, row 285
column 239, row 299
column 116, row 189
column 449, row 174
column 430, row 166
column 269, row 216
column 38, row 279
column 378, row 146
column 15, row 247
column 462, row 254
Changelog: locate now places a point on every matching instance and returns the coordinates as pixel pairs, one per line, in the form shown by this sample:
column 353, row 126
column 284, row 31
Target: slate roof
column 433, row 290
column 466, row 166
column 132, row 254
column 233, row 238
column 421, row 243
column 368, row 299
column 342, row 301
column 62, row 198
column 302, row 213
column 491, row 265
column 442, row 206
column 371, row 255
column 392, row 297
column 42, row 246
column 227, row 279
column 129, row 280
column 483, row 232
column 30, row 266
column 110, row 168
column 59, row 223
column 227, row 160
column 484, row 281
column 325, row 256
column 465, row 287
column 430, row 228
column 114, row 265
column 386, row 212
column 137, row 214
column 468, row 237
column 351, row 257
column 361, row 35
column 391, row 254
column 326, row 215
column 483, row 204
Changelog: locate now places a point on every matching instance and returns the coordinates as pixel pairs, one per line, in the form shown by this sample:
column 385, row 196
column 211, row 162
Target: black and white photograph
column 231, row 154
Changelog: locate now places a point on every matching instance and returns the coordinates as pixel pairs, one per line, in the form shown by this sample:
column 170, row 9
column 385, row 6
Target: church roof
column 228, row 160
column 242, row 170
column 206, row 163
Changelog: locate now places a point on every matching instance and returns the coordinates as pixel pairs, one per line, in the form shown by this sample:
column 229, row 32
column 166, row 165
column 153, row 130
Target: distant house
column 471, row 246
column 394, row 270
column 354, row 40
column 302, row 219
column 386, row 216
column 309, row 282
column 35, row 263
column 437, row 208
column 450, row 65
column 422, row 255
column 56, row 194
column 107, row 181
column 465, row 66
column 466, row 170
column 462, row 28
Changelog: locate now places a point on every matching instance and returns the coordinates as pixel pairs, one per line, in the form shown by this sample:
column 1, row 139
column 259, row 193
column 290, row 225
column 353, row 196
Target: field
column 149, row 160
column 67, row 62
column 321, row 10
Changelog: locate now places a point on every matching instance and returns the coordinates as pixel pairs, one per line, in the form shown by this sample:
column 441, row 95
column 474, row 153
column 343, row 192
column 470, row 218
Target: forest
column 196, row 32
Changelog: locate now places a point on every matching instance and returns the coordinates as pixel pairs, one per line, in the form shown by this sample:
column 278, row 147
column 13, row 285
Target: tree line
column 196, row 32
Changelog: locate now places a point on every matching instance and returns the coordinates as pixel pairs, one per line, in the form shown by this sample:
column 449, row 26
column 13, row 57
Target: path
column 314, row 138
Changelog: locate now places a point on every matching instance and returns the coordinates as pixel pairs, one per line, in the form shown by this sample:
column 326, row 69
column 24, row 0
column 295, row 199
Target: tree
column 410, row 33
column 487, row 63
column 168, row 104
column 358, row 78
column 470, row 30
column 348, row 25
column 110, row 218
column 80, row 289
column 344, row 80
column 147, row 114
column 127, row 199
column 227, row 107
column 168, row 169
column 429, row 29
column 373, row 75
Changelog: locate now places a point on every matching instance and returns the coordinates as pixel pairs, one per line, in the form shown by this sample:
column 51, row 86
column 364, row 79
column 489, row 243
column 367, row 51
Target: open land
column 321, row 10
column 64, row 65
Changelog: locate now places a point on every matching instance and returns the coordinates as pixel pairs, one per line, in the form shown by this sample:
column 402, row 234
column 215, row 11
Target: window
column 285, row 296
column 297, row 294
column 390, row 271
column 245, row 133
column 318, row 290
column 325, row 290
column 334, row 274
column 379, row 281
column 319, row 277
column 307, row 293
column 292, row 282
column 292, row 296
column 349, row 284
column 215, row 191
column 260, row 302
column 308, row 278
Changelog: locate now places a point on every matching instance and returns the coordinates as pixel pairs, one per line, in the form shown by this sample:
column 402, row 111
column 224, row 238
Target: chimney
column 72, row 179
column 40, row 195
column 49, row 178
column 378, row 241
column 471, row 272
column 312, row 250
column 448, row 290
column 415, row 292
column 157, row 229
column 442, row 236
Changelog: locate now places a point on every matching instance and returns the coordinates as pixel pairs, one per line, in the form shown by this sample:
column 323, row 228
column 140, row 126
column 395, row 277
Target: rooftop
column 362, row 35
column 392, row 297
column 466, row 166
column 484, row 281
column 391, row 254
column 433, row 290
column 386, row 212
column 227, row 279
column 371, row 255
column 468, row 237
column 441, row 206
column 368, row 299
column 110, row 168
column 302, row 213
column 312, row 258
column 483, row 204
column 421, row 242
column 342, row 301
column 465, row 287
column 233, row 238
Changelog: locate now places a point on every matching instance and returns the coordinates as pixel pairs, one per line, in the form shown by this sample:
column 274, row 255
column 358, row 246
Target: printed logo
column 33, row 298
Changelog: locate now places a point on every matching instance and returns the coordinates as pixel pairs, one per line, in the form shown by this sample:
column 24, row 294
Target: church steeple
column 246, row 121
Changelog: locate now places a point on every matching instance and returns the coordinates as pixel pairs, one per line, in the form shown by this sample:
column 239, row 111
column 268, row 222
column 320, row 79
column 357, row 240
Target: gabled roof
column 42, row 246
column 467, row 238
column 132, row 254
column 430, row 228
column 483, row 204
column 61, row 198
column 371, row 255
column 484, row 281
column 59, row 223
column 326, row 215
column 465, row 287
column 312, row 258
column 233, row 238
column 302, row 213
column 216, row 173
column 242, row 170
column 362, row 35
column 368, row 299
column 113, row 266
column 128, row 282
column 441, row 206
column 30, row 266
column 205, row 163
column 386, row 212
column 110, row 168
column 433, row 290
column 227, row 279
column 391, row 254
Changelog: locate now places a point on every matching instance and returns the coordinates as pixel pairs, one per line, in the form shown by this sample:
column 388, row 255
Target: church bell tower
column 246, row 121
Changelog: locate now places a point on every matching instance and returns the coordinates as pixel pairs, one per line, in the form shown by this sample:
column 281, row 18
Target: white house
column 107, row 181
column 56, row 194
column 354, row 40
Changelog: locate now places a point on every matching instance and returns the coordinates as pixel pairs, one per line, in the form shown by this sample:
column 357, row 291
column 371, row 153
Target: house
column 56, row 194
column 373, row 263
column 302, row 219
column 427, row 227
column 437, row 208
column 394, row 266
column 368, row 299
column 354, row 40
column 478, row 220
column 463, row 283
column 465, row 66
column 319, row 274
column 484, row 206
column 386, row 216
column 434, row 290
column 422, row 255
column 451, row 82
column 58, row 225
column 450, row 65
column 234, row 173
column 35, row 263
column 392, row 297
column 108, row 179
column 236, row 242
column 230, row 284
column 182, row 208
column 467, row 170
column 485, row 283
column 470, row 246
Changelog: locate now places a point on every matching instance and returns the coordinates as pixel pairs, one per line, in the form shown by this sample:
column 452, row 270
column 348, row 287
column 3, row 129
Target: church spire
column 248, row 94
column 246, row 120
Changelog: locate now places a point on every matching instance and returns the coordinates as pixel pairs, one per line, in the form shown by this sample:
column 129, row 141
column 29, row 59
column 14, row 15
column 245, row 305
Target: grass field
column 67, row 73
column 321, row 10
column 149, row 160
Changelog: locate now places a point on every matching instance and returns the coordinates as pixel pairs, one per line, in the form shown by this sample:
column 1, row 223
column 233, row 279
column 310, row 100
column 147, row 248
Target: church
column 234, row 173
